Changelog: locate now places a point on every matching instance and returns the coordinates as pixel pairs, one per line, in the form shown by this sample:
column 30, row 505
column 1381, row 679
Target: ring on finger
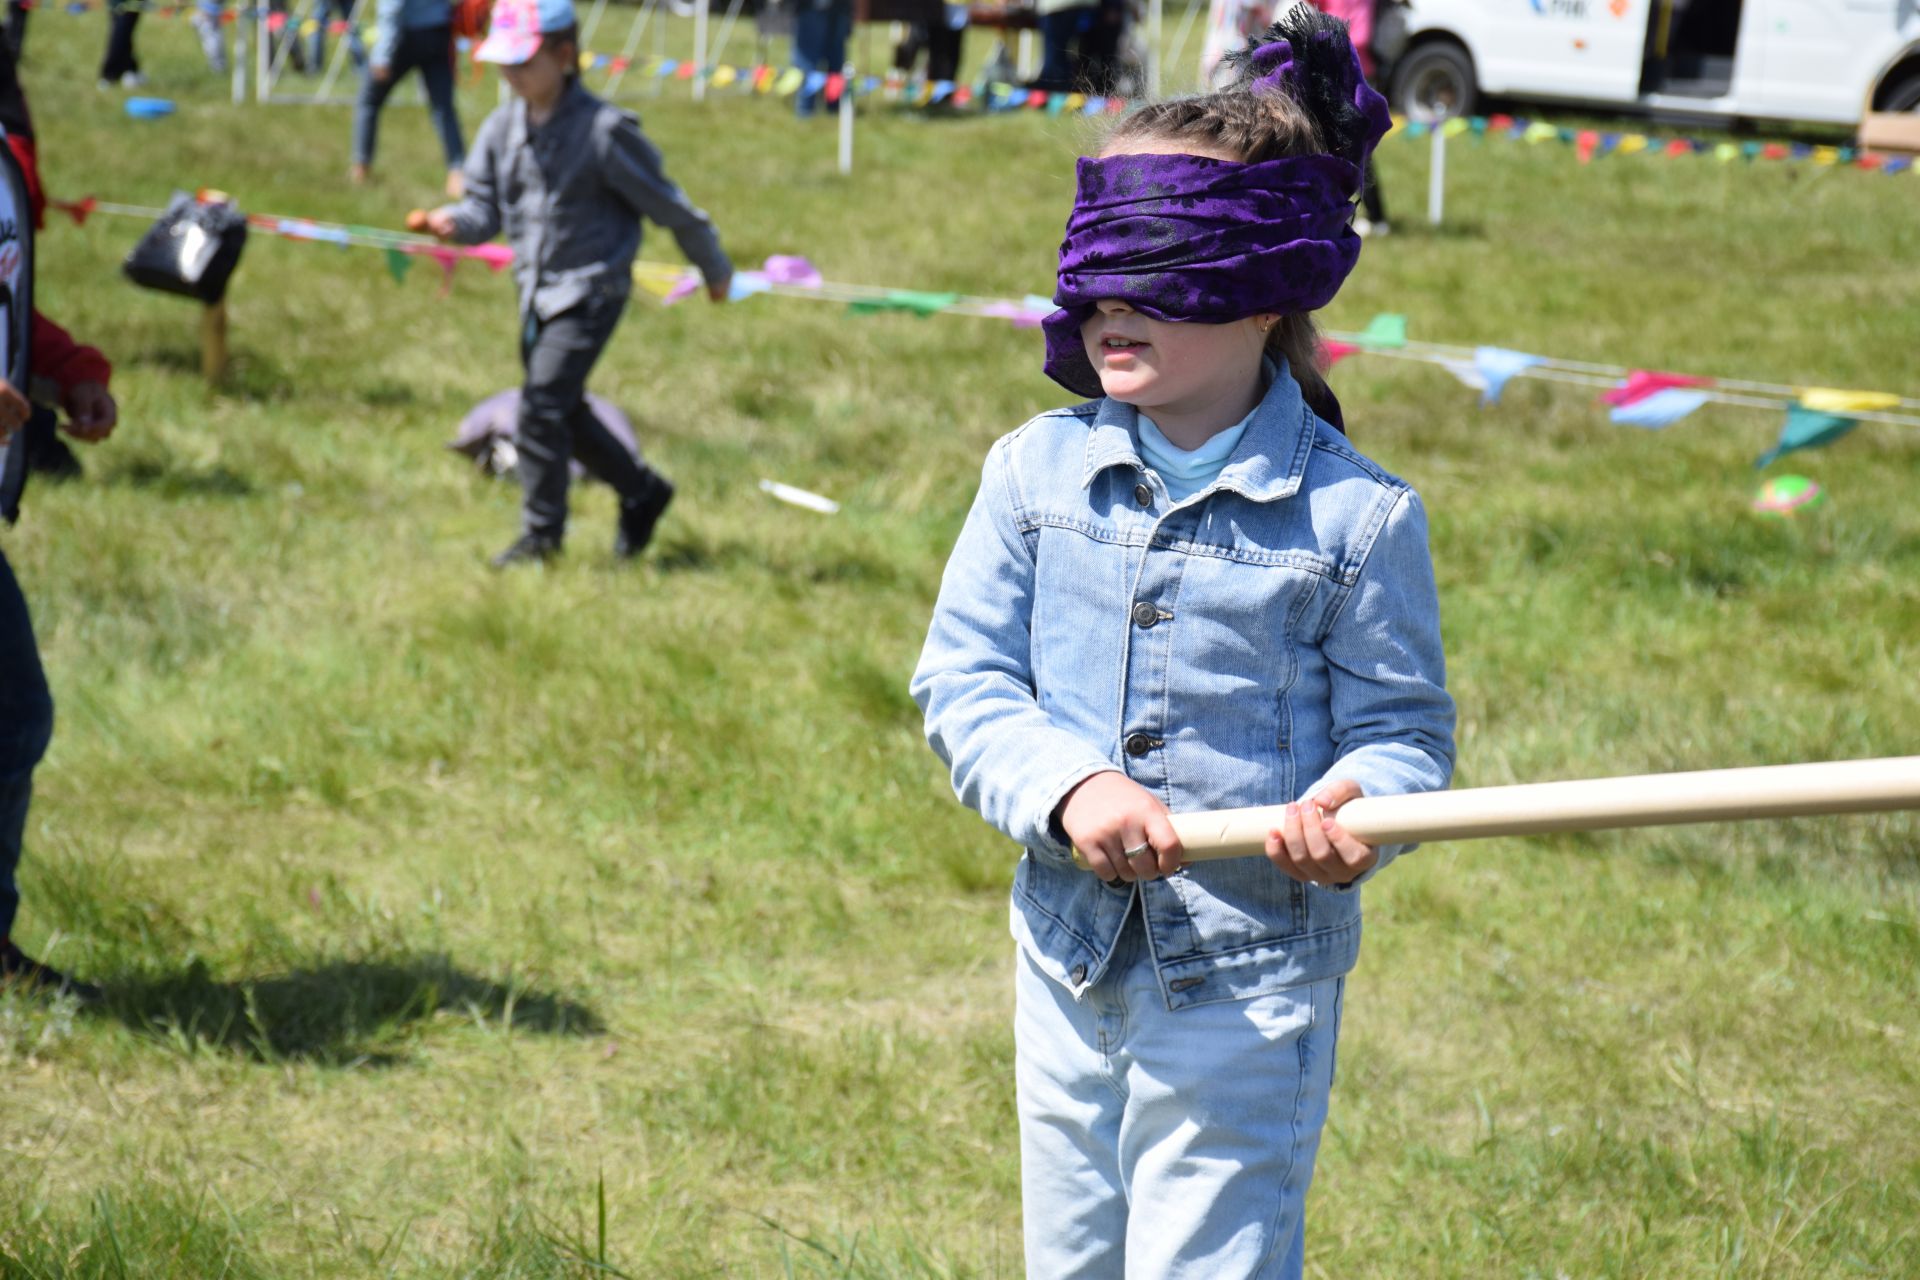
column 1136, row 851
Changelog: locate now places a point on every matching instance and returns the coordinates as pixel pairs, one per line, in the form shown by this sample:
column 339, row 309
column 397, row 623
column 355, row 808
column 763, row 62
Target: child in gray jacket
column 569, row 177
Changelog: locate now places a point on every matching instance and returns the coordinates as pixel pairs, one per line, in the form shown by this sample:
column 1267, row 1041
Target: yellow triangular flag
column 1454, row 127
column 1726, row 151
column 1838, row 400
column 723, row 76
column 1826, row 155
column 789, row 82
column 1631, row 143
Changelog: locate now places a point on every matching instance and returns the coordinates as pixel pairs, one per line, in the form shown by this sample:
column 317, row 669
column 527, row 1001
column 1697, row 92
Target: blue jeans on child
column 26, row 726
column 430, row 50
column 1176, row 1145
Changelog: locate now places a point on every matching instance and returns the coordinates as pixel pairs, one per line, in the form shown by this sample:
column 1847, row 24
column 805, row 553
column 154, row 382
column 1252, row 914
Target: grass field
column 616, row 921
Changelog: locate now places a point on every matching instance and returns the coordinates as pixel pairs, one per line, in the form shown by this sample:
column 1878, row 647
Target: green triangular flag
column 920, row 304
column 1807, row 429
column 398, row 264
column 1384, row 330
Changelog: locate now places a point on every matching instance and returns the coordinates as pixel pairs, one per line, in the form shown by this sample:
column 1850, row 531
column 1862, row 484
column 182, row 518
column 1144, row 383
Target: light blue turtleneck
column 1186, row 472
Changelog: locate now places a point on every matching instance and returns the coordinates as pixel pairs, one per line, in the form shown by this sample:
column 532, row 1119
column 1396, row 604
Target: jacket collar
column 1268, row 463
column 572, row 98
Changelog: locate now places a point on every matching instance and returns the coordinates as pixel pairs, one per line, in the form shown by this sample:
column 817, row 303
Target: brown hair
column 1251, row 126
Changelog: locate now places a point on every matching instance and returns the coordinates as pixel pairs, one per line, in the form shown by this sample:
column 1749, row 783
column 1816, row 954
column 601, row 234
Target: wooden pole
column 213, row 342
column 1596, row 804
column 1437, row 176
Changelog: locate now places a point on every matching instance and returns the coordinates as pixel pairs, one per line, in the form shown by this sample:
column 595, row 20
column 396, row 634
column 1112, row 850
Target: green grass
column 447, row 917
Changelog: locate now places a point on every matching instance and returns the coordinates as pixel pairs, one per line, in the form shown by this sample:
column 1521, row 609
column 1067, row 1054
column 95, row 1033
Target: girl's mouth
column 1111, row 343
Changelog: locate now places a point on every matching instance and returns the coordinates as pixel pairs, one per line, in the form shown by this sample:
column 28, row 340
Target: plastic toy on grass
column 1785, row 496
column 149, row 108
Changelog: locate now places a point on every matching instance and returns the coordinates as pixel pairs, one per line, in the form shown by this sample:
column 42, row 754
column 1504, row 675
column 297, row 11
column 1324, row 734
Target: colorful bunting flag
column 1641, row 383
column 1836, row 400
column 1496, row 366
column 1807, row 429
column 398, row 264
column 909, row 300
column 1385, row 330
column 1466, row 373
column 1332, row 351
column 1661, row 409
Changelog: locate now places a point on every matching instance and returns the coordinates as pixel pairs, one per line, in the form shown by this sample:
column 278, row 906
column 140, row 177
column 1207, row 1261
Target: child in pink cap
column 569, row 177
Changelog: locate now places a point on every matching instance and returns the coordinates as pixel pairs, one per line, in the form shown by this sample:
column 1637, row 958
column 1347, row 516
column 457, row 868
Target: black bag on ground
column 191, row 250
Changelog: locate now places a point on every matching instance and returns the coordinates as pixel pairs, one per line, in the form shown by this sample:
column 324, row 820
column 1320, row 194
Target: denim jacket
column 1277, row 630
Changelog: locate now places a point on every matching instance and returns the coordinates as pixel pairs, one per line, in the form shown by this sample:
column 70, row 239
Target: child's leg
column 1225, row 1107
column 1178, row 1144
column 366, row 109
column 559, row 354
column 436, row 67
column 1072, row 1198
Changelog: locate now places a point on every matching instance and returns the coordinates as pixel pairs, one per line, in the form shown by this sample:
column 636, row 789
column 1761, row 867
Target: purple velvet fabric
column 1191, row 239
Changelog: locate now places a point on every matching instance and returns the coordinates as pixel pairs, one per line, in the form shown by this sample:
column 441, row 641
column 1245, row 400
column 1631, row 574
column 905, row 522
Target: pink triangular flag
column 1642, row 383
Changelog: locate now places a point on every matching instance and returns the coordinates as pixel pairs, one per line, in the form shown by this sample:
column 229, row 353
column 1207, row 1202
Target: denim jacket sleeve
column 1392, row 716
column 1010, row 763
column 476, row 218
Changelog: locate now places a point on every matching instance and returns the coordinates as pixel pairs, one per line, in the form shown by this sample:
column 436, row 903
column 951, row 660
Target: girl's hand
column 1313, row 848
column 1109, row 815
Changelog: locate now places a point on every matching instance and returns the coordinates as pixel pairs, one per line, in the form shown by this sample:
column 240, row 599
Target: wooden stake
column 213, row 342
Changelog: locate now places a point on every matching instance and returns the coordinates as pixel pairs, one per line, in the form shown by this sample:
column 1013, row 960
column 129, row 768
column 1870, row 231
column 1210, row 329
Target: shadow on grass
column 175, row 482
column 251, row 375
column 356, row 1012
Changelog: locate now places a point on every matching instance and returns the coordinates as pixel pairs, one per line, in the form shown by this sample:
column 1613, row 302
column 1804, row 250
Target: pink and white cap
column 514, row 35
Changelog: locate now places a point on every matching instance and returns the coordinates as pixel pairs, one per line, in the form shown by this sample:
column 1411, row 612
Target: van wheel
column 1904, row 96
column 1434, row 81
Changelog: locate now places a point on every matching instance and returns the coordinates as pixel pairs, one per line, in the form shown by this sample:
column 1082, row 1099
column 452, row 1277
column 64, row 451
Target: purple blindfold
column 1187, row 238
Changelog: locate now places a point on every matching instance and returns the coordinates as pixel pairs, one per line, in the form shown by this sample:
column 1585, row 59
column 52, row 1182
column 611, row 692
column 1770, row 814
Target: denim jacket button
column 1079, row 974
column 1143, row 495
column 1138, row 744
column 1145, row 615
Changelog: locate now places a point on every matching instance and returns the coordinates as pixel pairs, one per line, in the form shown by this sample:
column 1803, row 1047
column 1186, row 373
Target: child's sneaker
column 528, row 548
column 639, row 515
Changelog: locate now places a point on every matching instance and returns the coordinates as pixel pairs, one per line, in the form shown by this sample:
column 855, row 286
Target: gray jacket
column 571, row 194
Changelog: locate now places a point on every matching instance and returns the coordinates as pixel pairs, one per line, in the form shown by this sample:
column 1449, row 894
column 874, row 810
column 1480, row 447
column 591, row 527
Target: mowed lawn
column 616, row 920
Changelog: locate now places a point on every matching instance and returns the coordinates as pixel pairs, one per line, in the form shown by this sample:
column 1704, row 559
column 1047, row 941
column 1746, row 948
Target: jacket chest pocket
column 1237, row 644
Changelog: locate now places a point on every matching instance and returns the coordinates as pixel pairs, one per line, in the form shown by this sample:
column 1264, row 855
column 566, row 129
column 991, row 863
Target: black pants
column 17, row 27
column 556, row 424
column 26, row 726
column 120, row 58
column 1370, row 199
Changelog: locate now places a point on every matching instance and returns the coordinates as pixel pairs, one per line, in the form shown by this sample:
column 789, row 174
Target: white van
column 1826, row 61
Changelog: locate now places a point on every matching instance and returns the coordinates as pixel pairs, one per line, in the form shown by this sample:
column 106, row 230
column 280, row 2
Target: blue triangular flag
column 1496, row 365
column 1094, row 106
column 814, row 83
column 1661, row 409
column 1807, row 429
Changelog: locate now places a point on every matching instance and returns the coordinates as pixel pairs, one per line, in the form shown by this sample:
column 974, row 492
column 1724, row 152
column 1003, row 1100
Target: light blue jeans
column 1168, row 1145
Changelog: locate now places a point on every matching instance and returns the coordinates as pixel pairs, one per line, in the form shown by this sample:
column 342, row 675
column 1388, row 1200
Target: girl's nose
column 1112, row 306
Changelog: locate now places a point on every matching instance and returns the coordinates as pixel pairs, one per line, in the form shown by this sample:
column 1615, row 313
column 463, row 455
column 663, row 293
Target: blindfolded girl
column 1190, row 593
